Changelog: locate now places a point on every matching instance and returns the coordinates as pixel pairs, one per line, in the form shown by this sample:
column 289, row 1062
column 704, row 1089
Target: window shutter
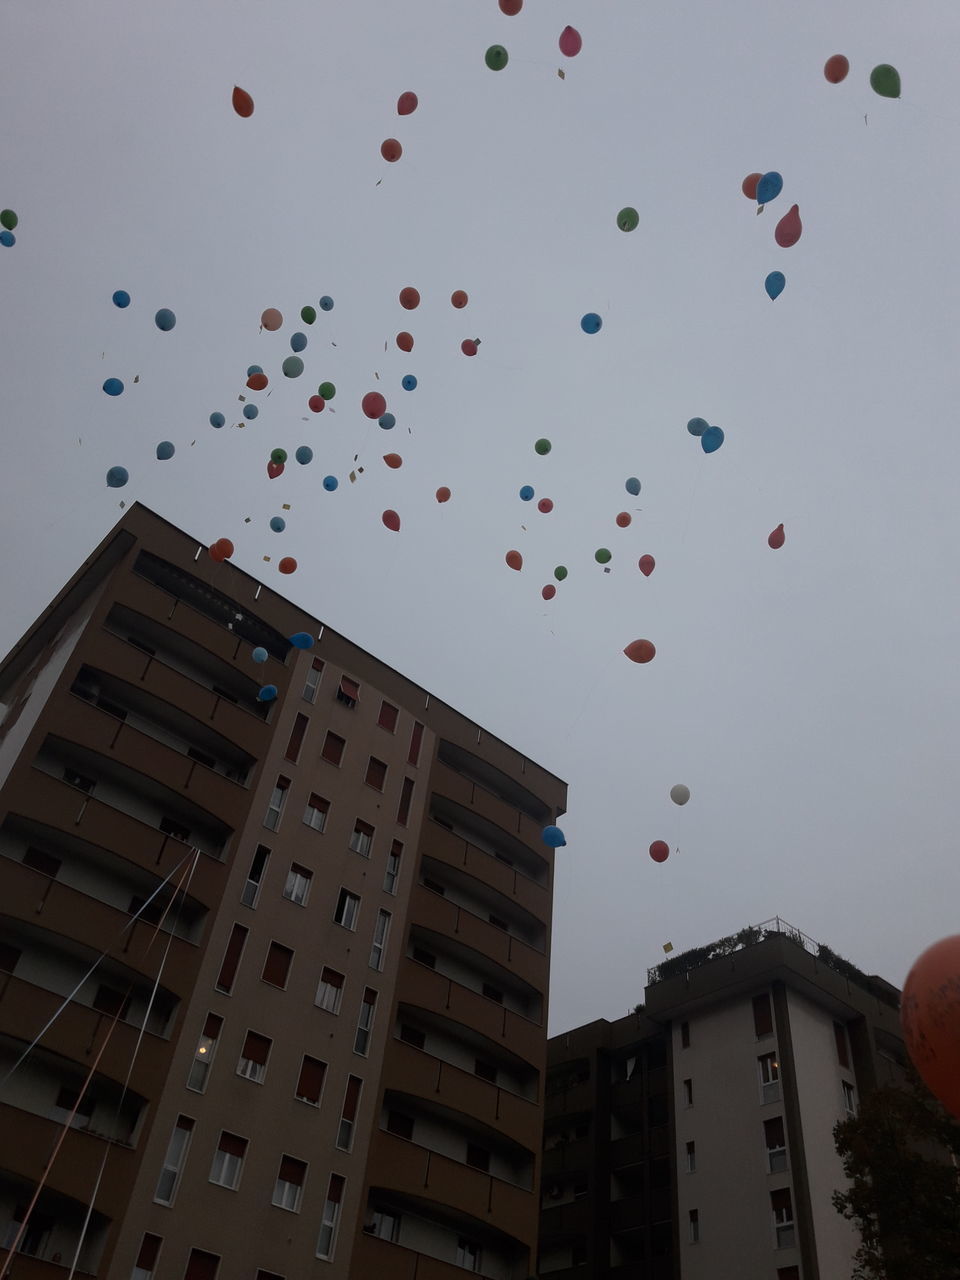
column 257, row 1048
column 762, row 1015
column 310, row 1084
column 277, row 965
column 406, row 795
column 416, row 738
column 296, row 738
column 231, row 959
column 292, row 1170
column 201, row 1266
column 388, row 717
column 232, row 1144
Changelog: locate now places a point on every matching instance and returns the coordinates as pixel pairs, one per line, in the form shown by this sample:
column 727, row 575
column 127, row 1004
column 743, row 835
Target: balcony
column 29, row 1141
column 632, row 1213
column 142, row 596
column 386, row 1261
column 440, row 843
column 448, row 782
column 26, row 1268
column 435, row 912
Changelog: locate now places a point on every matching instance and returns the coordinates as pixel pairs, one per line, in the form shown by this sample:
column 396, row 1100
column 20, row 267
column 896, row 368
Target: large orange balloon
column 221, row 550
column 271, row 319
column 242, row 102
column 640, row 651
column 930, row 1017
column 514, row 559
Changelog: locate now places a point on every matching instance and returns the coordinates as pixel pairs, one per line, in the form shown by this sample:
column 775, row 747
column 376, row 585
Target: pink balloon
column 570, row 42
column 789, row 228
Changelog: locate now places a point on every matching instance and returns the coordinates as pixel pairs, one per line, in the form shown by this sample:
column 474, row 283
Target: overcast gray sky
column 808, row 696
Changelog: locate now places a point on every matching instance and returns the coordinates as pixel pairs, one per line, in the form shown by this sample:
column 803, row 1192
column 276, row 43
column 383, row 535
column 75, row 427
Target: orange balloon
column 749, row 185
column 930, row 1017
column 271, row 319
column 776, row 538
column 405, row 341
column 391, row 149
column 409, row 298
column 624, row 519
column 646, row 565
column 391, row 520
column 257, row 381
column 393, row 460
column 443, row 494
column 659, row 851
column 640, row 651
column 242, row 102
column 836, row 68
column 287, row 565
column 217, row 552
column 459, row 298
column 514, row 559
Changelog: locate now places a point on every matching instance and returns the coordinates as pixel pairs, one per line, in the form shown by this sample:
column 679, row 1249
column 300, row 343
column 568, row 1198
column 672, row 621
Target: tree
column 901, row 1154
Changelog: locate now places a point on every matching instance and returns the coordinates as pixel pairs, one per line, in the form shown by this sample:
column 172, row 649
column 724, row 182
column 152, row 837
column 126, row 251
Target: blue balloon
column 113, row 387
column 697, row 426
column 304, row 455
column 217, row 420
column 165, row 450
column 554, row 837
column 259, row 654
column 165, row 319
column 7, row 239
column 711, row 440
column 254, row 368
column 632, row 486
column 769, row 187
column 330, row 483
column 326, row 303
column 298, row 342
column 388, row 421
column 277, row 524
column 591, row 323
column 774, row 284
column 250, row 411
column 302, row 640
column 409, row 382
column 526, row 493
column 121, row 298
column 267, row 693
column 117, row 477
column 292, row 367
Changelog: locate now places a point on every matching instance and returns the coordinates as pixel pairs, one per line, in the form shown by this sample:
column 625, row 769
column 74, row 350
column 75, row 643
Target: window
column 115, row 1003
column 35, row 1233
column 231, row 959
column 775, row 1141
column 333, row 746
column 348, row 908
column 684, row 1035
column 171, row 827
column 400, row 1124
column 492, row 992
column 70, row 1104
column 146, row 1262
column 387, row 719
column 376, row 775
column 315, row 814
column 385, row 1225
column 478, row 1157
column 331, row 1217
column 691, row 1157
column 278, row 798
column 288, row 1191
column 201, row 1266
column 769, row 1069
column 425, row 957
column 9, row 955
column 694, row 1220
column 468, row 1254
column 412, row 1035
column 298, row 884
column 782, row 1208
column 228, row 1160
column 206, row 1048
column 312, row 682
column 173, row 1161
column 403, row 808
column 251, row 890
column 839, row 1031
column 434, row 886
column 788, row 1273
column 368, row 1006
column 380, row 934
column 253, row 1057
column 688, row 1092
column 297, row 733
column 361, row 841
column 485, row 1070
column 416, row 738
column 348, row 1116
column 762, row 1016
column 276, row 969
column 849, row 1101
column 330, row 991
column 497, row 922
column 310, row 1081
column 348, row 691
column 393, row 867
column 44, row 862
column 75, row 779
column 267, row 1275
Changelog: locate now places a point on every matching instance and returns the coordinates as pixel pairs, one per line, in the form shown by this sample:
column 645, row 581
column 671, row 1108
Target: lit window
column 315, row 814
column 769, row 1069
column 173, row 1161
column 253, row 1058
column 228, row 1160
column 348, row 908
column 288, row 1191
column 330, row 991
column 361, row 841
column 298, row 884
column 203, row 1058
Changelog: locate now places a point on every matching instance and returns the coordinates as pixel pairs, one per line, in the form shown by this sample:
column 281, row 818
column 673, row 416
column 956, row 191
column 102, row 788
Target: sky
column 807, row 696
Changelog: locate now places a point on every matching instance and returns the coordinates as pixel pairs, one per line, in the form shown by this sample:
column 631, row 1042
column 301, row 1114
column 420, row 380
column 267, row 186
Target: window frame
column 298, row 874
column 285, row 1182
column 768, row 1085
column 315, row 1062
column 310, row 685
column 225, row 1165
column 347, row 911
column 365, row 1021
column 378, row 946
column 254, row 1076
column 261, row 855
column 363, row 844
column 391, row 875
column 277, row 803
column 378, row 769
column 176, row 1164
column 333, row 986
column 274, row 949
column 323, row 809
column 206, row 1062
column 385, row 719
column 330, row 1218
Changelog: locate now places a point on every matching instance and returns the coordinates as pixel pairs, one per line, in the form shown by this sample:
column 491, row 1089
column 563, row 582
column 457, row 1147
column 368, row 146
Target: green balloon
column 602, row 556
column 560, row 572
column 8, row 220
column 326, row 390
column 496, row 57
column 278, row 455
column 308, row 315
column 628, row 219
column 885, row 80
column 543, row 446
column 292, row 367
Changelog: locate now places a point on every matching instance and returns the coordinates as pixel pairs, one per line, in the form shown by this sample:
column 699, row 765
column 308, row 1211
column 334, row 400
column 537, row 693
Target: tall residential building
column 273, row 974
column 693, row 1139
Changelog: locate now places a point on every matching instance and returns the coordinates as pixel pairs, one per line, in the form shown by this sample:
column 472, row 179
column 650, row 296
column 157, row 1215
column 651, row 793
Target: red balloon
column 640, row 651
column 930, row 1018
column 242, row 102
column 511, row 7
column 221, row 550
column 545, row 505
column 393, row 460
column 549, row 591
column 659, row 851
column 257, row 381
column 274, row 469
column 407, row 103
column 570, row 42
column 409, row 299
column 776, row 538
column 468, row 347
column 514, row 559
column 226, row 547
column 749, row 185
column 624, row 519
column 459, row 298
column 443, row 494
column 391, row 149
column 646, row 565
column 836, row 68
column 405, row 340
column 789, row 228
column 316, row 403
column 391, row 520
column 373, row 404
column 287, row 565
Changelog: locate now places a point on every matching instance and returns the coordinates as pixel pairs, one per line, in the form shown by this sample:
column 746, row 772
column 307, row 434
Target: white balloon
column 679, row 794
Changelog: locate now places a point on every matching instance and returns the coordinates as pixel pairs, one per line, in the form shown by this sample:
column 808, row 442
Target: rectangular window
column 762, row 1016
column 412, row 1035
column 173, row 1161
column 348, row 1116
column 202, row 1265
column 376, row 775
column 400, row 1124
column 310, row 1080
column 485, row 1070
column 425, row 957
column 840, row 1034
column 368, row 1007
column 331, row 1217
column 276, row 968
column 288, row 1190
column 694, row 1218
column 468, row 1254
column 112, row 1002
column 379, row 945
column 333, row 746
column 44, row 862
column 403, row 808
column 203, row 1058
column 330, row 991
column 253, row 1057
column 348, row 691
column 393, row 867
column 769, row 1069
column 231, row 959
column 416, row 738
column 278, row 798
column 79, row 780
column 146, row 1262
column 688, row 1092
column 478, row 1157
column 386, row 1226
column 297, row 734
column 782, row 1207
column 361, row 841
column 171, row 827
column 312, row 683
column 492, row 992
column 315, row 814
column 775, row 1141
column 348, row 908
column 691, row 1157
column 387, row 719
column 849, row 1101
column 251, row 890
column 9, row 955
column 298, row 884
column 228, row 1160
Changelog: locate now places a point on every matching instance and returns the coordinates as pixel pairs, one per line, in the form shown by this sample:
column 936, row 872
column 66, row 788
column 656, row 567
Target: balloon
column 391, row 149
column 789, row 228
column 391, row 520
column 9, row 222
column 165, row 319
column 835, row 69
column 749, row 185
column 514, row 560
column 316, row 403
column 330, row 483
column 885, row 80
column 257, row 381
column 292, row 367
column 7, row 239
column 117, row 477
column 659, row 851
column 242, row 102
column 632, row 486
column 640, row 651
column 560, row 572
column 545, row 505
column 259, row 654
column 628, row 219
column 526, row 493
column 113, row 387
column 697, row 426
column 409, row 382
column 326, row 390
column 226, row 547
column 325, row 303
column 930, row 1018
column 774, row 284
column 405, row 341
column 387, row 421
column 469, row 347
column 543, row 447
column 777, row 538
column 267, row 693
column 298, row 342
column 443, row 494
column 302, row 640
column 407, row 103
column 287, row 565
column 496, row 57
column 165, row 450
column 277, row 524
column 680, row 794
column 624, row 519
column 373, row 404
column 553, row 837
column 409, row 298
column 271, row 319
column 308, row 315
column 120, row 299
column 278, row 455
column 217, row 420
column 393, row 460
column 602, row 555
column 570, row 42
column 549, row 591
column 250, row 411
column 254, row 368
column 275, row 469
column 458, row 298
column 646, row 565
column 304, row 455
column 769, row 187
column 511, row 7
column 711, row 440
column 591, row 323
